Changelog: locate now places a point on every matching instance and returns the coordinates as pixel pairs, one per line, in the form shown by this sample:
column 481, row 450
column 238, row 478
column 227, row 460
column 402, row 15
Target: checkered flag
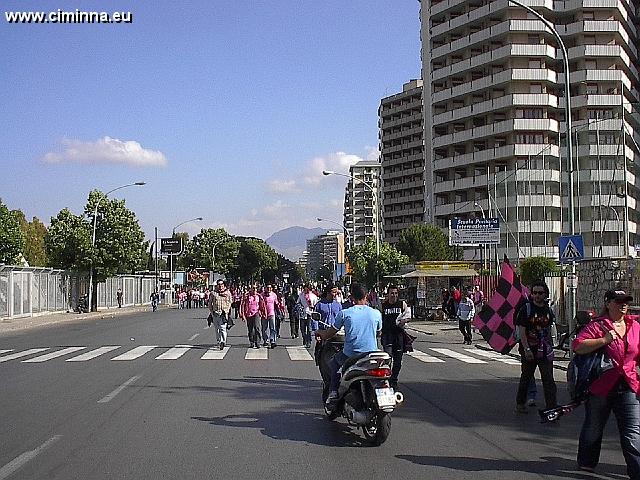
column 495, row 320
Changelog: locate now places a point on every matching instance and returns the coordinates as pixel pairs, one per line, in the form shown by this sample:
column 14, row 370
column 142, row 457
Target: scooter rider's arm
column 326, row 334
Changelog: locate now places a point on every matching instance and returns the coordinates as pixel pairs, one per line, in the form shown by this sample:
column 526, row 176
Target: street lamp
column 93, row 237
column 567, row 110
column 213, row 254
column 346, row 232
column 173, row 234
column 373, row 193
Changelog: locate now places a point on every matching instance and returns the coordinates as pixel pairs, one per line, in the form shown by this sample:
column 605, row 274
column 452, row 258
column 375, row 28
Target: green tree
column 68, row 241
column 363, row 261
column 33, row 233
column 422, row 242
column 535, row 268
column 255, row 259
column 11, row 239
column 199, row 250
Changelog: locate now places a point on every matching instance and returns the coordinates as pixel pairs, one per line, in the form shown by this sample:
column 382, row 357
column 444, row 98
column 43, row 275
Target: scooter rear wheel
column 378, row 429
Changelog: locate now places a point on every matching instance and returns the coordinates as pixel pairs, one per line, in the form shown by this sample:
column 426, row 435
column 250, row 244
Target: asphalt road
column 183, row 417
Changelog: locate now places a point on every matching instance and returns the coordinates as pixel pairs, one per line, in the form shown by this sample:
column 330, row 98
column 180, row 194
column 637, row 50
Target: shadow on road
column 557, row 466
column 292, row 425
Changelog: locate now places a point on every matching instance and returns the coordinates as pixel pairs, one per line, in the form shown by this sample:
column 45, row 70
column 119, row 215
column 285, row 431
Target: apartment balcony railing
column 497, row 153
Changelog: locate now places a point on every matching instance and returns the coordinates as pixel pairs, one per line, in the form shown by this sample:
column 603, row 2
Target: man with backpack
column 534, row 321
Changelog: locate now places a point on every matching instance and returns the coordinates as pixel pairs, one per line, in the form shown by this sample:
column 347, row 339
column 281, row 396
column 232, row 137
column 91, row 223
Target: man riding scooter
column 362, row 324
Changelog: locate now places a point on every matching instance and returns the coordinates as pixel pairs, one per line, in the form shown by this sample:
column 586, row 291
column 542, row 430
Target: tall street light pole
column 173, row 234
column 483, row 251
column 213, row 256
column 569, row 155
column 374, row 195
column 346, row 232
column 93, row 236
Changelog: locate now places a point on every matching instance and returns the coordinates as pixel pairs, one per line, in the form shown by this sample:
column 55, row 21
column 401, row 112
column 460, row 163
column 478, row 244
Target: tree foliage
column 255, row 259
column 33, row 233
column 535, row 268
column 422, row 242
column 68, row 241
column 199, row 250
column 11, row 239
column 363, row 261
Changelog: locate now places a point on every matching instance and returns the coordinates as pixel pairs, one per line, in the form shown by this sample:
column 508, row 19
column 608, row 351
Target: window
column 535, row 63
column 592, row 88
column 535, row 88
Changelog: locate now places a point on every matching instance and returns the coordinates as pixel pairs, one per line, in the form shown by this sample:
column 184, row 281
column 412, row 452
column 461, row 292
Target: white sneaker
column 333, row 396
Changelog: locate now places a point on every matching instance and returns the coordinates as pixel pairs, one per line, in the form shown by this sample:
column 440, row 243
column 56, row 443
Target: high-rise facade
column 362, row 217
column 325, row 251
column 402, row 158
column 494, row 120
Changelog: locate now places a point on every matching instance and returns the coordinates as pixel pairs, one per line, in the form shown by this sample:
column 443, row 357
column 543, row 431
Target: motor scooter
column 83, row 304
column 365, row 397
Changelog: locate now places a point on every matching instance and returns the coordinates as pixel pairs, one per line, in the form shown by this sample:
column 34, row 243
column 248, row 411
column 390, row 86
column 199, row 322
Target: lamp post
column 173, row 234
column 213, row 255
column 377, row 214
column 483, row 252
column 346, row 232
column 569, row 155
column 93, row 236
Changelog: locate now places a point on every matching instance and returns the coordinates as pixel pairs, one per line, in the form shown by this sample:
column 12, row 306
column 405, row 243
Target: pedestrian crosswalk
column 294, row 353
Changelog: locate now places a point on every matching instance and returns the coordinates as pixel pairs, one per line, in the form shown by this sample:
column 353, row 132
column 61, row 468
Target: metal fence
column 29, row 291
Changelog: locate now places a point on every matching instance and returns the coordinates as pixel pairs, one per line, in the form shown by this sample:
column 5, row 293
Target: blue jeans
column 624, row 403
column 336, row 362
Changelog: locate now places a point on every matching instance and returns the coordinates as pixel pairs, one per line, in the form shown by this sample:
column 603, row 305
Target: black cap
column 618, row 296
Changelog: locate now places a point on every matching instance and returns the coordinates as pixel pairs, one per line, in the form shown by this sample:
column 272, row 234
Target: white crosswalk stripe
column 493, row 356
column 299, row 353
column 457, row 355
column 174, row 352
column 137, row 352
column 5, row 351
column 257, row 354
column 424, row 357
column 93, row 354
column 24, row 353
column 52, row 355
column 214, row 353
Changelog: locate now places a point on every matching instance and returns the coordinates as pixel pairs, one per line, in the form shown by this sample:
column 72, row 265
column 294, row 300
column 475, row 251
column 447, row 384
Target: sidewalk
column 11, row 325
column 560, row 362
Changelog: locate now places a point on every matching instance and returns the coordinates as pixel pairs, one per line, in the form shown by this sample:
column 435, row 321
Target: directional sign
column 172, row 246
column 474, row 231
column 571, row 248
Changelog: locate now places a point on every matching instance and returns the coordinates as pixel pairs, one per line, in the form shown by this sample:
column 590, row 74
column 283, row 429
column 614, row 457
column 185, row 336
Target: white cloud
column 275, row 208
column 282, row 186
column 107, row 150
column 373, row 154
column 338, row 162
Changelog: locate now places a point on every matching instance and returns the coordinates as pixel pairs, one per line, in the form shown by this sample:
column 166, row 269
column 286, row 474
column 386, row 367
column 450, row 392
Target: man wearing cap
column 220, row 307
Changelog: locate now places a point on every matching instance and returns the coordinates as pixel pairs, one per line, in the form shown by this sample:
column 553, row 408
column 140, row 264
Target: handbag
column 583, row 370
column 209, row 319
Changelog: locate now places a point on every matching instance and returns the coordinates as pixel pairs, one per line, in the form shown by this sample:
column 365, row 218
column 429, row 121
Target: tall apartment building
column 362, row 217
column 402, row 158
column 494, row 119
column 325, row 250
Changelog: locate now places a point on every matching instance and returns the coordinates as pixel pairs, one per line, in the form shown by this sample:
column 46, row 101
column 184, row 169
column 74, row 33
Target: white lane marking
column 174, row 352
column 214, row 353
column 52, row 355
column 24, row 353
column 5, row 351
column 111, row 396
column 257, row 354
column 93, row 354
column 299, row 353
column 193, row 337
column 22, row 459
column 135, row 353
column 424, row 357
column 493, row 356
column 457, row 355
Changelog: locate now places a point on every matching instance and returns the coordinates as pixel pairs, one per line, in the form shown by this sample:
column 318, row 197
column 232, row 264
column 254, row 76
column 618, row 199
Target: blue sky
column 229, row 110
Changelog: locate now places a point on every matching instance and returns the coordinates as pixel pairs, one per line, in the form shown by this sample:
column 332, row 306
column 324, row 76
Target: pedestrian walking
column 268, row 314
column 307, row 300
column 119, row 297
column 250, row 312
column 616, row 389
column 328, row 307
column 294, row 318
column 155, row 298
column 237, row 299
column 220, row 307
column 478, row 297
column 533, row 321
column 395, row 314
column 465, row 313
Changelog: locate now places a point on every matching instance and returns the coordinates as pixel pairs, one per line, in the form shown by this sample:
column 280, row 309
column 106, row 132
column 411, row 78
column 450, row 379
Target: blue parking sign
column 571, row 248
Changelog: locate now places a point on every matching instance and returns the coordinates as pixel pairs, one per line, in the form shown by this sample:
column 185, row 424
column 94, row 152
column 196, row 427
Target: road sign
column 572, row 280
column 571, row 248
column 474, row 231
column 172, row 246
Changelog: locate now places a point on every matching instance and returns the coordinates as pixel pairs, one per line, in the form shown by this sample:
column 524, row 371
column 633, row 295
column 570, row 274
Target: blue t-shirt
column 361, row 323
column 328, row 312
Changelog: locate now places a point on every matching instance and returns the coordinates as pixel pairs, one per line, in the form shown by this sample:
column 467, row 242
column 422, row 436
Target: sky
column 229, row 110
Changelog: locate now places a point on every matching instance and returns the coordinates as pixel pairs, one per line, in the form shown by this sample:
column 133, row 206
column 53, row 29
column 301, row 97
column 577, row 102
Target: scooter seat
column 352, row 360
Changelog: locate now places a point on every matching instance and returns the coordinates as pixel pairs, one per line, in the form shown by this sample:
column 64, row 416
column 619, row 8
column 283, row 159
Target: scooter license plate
column 386, row 397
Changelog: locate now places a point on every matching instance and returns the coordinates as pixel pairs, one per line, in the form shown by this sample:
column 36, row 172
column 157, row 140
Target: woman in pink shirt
column 616, row 389
column 250, row 312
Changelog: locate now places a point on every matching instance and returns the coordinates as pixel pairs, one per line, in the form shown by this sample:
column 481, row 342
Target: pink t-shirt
column 624, row 353
column 270, row 301
column 251, row 305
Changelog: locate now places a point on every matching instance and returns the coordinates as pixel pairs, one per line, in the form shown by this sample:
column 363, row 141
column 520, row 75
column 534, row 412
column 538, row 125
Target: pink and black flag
column 495, row 319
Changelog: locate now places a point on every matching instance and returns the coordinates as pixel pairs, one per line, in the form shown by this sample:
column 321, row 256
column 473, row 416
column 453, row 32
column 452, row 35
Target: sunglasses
column 538, row 292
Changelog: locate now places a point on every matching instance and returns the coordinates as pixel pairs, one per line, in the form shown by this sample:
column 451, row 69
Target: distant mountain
column 292, row 241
